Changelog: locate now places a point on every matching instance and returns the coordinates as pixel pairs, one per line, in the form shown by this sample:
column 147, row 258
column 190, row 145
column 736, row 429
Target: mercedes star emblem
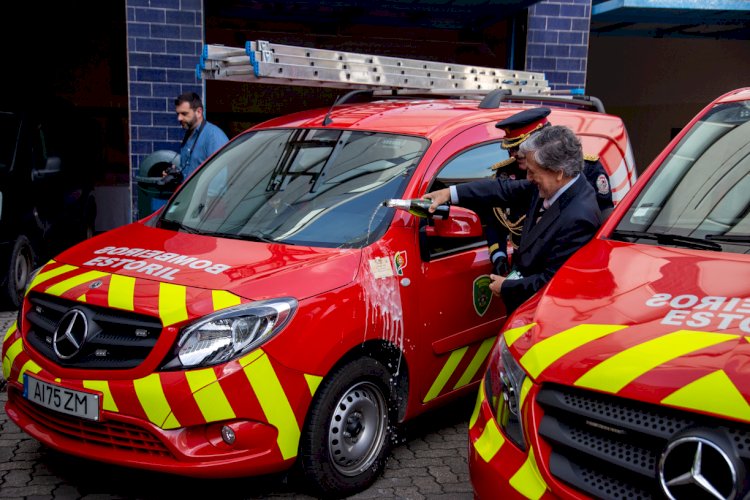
column 700, row 465
column 70, row 334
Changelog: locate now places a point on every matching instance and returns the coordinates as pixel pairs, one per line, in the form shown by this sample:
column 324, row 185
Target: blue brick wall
column 165, row 38
column 557, row 41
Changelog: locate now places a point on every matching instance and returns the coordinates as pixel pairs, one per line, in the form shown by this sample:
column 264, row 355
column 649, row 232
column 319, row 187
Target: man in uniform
column 503, row 224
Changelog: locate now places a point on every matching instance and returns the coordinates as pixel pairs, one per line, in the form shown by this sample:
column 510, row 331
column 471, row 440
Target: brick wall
column 165, row 38
column 557, row 41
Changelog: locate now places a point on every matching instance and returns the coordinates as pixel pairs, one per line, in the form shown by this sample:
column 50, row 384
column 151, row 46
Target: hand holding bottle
column 439, row 197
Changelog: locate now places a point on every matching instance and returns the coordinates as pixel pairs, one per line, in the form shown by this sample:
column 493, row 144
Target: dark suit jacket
column 565, row 227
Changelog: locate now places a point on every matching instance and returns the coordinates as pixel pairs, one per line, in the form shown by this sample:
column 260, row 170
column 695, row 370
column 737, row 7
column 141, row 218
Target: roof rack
column 265, row 62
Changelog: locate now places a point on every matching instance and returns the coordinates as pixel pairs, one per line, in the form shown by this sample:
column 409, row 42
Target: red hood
column 251, row 270
column 664, row 325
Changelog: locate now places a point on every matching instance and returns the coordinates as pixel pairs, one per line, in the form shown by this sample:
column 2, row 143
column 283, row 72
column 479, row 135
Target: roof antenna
column 354, row 96
column 327, row 120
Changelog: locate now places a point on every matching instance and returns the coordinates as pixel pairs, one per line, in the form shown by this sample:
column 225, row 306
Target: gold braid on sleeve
column 514, row 228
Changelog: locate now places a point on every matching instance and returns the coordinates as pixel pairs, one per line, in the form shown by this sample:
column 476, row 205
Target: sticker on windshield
column 381, row 267
column 399, row 262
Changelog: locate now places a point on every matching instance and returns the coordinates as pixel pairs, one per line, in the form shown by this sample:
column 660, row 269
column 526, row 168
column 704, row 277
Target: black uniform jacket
column 565, row 227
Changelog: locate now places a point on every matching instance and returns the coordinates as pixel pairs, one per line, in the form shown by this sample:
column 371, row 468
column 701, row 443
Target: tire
column 19, row 268
column 339, row 461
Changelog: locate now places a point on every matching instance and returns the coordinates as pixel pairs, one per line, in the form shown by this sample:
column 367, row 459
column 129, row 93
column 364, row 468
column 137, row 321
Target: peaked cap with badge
column 520, row 126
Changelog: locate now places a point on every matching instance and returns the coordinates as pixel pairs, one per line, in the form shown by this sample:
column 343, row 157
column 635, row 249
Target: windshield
column 702, row 190
column 317, row 187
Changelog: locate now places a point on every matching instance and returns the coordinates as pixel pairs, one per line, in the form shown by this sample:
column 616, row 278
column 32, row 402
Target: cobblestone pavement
column 429, row 463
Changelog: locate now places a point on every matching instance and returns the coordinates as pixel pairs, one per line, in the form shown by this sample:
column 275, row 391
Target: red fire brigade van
column 627, row 376
column 275, row 312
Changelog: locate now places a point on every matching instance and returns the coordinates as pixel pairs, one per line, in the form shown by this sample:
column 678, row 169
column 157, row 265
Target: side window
column 472, row 164
column 469, row 165
column 38, row 149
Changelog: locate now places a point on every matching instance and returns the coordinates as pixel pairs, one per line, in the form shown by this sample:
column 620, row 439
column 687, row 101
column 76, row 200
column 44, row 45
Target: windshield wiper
column 257, row 236
column 730, row 238
column 669, row 239
column 179, row 226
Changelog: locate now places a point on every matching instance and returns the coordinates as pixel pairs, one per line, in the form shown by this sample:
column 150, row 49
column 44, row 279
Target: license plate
column 61, row 399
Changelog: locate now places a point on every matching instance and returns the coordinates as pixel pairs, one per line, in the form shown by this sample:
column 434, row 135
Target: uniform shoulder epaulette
column 591, row 157
column 503, row 163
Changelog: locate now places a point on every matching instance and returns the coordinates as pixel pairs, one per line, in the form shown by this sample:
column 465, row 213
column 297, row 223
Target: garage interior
column 655, row 67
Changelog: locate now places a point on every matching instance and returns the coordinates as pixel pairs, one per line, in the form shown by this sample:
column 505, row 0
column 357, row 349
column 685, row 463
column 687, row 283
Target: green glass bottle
column 419, row 207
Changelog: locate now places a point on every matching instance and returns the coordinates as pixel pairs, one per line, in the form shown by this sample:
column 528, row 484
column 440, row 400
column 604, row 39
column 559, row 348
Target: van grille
column 110, row 434
column 609, row 447
column 116, row 340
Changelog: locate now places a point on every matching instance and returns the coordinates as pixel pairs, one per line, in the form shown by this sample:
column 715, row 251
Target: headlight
column 227, row 334
column 503, row 387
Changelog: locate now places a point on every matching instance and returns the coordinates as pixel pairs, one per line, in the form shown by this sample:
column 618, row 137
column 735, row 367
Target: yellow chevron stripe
column 10, row 356
column 46, row 275
column 471, row 370
column 525, row 388
column 527, row 480
column 274, row 402
column 549, row 350
column 223, row 299
column 30, row 367
column 614, row 373
column 121, row 292
column 11, row 330
column 514, row 333
column 313, row 381
column 108, row 402
column 477, row 406
column 65, row 285
column 490, row 442
column 151, row 396
column 445, row 373
column 208, row 395
column 713, row 393
column 172, row 303
column 82, row 298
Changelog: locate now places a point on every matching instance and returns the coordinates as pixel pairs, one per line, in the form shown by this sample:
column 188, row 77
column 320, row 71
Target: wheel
column 347, row 436
column 19, row 268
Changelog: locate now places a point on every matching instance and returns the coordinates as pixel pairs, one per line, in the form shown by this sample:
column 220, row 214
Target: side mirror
column 51, row 168
column 461, row 223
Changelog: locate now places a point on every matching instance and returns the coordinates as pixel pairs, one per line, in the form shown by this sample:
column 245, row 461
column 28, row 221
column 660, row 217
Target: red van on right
column 628, row 375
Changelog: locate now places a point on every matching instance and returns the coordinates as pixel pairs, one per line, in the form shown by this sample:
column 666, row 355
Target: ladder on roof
column 265, row 62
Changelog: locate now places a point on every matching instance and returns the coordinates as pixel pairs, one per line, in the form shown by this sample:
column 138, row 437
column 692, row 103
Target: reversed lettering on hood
column 707, row 312
column 168, row 264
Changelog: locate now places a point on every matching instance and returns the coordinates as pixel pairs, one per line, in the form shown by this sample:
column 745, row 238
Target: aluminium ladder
column 265, row 62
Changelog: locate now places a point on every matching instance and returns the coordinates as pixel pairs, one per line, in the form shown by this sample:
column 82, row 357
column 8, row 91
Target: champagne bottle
column 418, row 207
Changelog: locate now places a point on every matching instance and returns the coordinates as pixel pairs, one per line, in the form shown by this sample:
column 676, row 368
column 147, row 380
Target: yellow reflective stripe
column 172, row 303
column 549, row 350
column 525, row 388
column 614, row 373
column 82, row 298
column 28, row 366
column 471, row 370
column 514, row 333
column 223, row 299
column 490, row 442
column 65, row 285
column 10, row 356
column 713, row 393
column 313, row 381
column 108, row 402
column 151, row 396
column 274, row 402
column 445, row 373
column 209, row 396
column 527, row 480
column 46, row 275
column 10, row 331
column 477, row 406
column 121, row 292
